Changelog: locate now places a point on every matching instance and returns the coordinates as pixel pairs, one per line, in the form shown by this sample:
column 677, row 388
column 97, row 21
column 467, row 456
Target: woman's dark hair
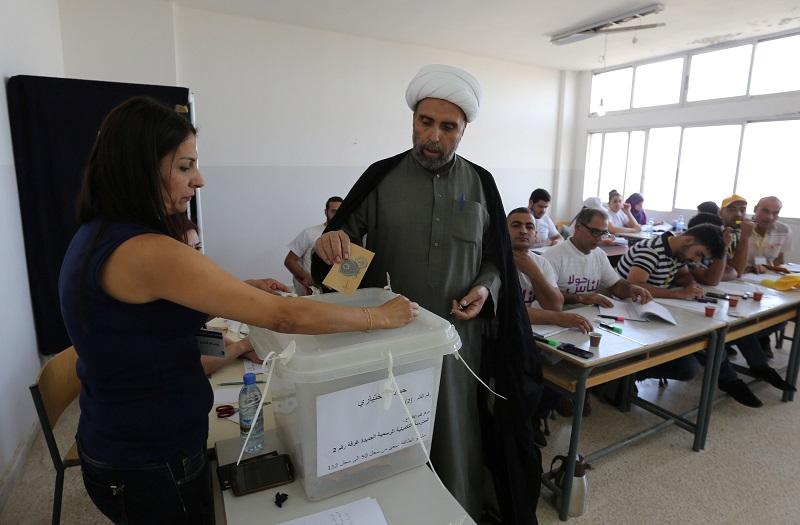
column 122, row 182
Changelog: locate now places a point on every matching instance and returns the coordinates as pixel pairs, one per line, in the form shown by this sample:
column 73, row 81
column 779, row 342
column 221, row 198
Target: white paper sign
column 362, row 512
column 353, row 426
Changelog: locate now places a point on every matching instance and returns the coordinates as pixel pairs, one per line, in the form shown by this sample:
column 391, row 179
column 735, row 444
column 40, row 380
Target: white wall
column 289, row 116
column 30, row 43
column 118, row 40
column 713, row 112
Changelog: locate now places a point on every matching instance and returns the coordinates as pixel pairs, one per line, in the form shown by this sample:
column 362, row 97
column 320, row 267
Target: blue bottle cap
column 249, row 378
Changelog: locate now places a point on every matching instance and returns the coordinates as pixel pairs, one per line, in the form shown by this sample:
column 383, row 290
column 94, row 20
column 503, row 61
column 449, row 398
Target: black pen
column 232, row 383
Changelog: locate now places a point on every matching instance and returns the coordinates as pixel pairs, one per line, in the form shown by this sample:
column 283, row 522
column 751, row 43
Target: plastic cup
column 594, row 339
column 757, row 295
column 733, row 300
column 710, row 309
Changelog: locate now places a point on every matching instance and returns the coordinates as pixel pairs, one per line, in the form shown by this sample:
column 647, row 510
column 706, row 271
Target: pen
column 615, row 329
column 542, row 339
column 232, row 383
column 617, row 318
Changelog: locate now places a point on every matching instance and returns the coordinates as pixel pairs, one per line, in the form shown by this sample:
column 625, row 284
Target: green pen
column 543, row 339
column 615, row 329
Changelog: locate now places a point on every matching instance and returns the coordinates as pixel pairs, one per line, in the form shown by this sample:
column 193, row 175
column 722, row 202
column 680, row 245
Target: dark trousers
column 751, row 351
column 178, row 492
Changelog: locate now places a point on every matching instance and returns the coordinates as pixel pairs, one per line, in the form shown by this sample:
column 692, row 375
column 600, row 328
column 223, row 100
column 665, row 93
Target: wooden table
column 640, row 346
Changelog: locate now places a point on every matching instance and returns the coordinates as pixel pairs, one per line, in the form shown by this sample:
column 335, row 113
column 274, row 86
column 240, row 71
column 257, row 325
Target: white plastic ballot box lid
column 320, row 358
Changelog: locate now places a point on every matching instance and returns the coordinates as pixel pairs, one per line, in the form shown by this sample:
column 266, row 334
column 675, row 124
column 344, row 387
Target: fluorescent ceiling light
column 608, row 25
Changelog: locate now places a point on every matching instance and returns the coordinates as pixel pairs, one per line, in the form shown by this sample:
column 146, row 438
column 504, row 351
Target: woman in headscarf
column 636, row 200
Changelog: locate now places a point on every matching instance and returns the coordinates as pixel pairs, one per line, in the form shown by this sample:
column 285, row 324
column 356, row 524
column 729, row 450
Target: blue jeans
column 167, row 493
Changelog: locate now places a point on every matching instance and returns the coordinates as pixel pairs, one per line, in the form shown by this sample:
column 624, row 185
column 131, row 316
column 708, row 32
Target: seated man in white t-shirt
column 620, row 218
column 770, row 240
column 540, row 293
column 546, row 232
column 298, row 260
column 583, row 270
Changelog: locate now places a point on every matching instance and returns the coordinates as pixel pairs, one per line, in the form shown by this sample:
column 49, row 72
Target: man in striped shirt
column 660, row 265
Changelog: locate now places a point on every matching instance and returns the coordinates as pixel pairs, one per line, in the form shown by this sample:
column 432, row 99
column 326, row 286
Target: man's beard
column 428, row 163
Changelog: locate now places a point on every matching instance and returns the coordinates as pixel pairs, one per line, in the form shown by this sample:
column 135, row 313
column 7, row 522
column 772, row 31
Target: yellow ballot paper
column 346, row 276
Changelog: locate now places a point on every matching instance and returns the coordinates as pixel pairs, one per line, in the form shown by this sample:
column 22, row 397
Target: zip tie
column 287, row 354
column 459, row 358
column 411, row 420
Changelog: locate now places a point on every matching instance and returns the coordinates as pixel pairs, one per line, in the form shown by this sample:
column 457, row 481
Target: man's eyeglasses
column 597, row 234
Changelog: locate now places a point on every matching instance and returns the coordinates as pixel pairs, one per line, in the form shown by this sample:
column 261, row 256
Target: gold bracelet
column 369, row 318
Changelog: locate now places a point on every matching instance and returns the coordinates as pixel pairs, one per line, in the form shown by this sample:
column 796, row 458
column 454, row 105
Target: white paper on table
column 365, row 511
column 792, row 267
column 353, row 427
column 638, row 312
column 737, row 288
column 546, row 330
column 226, row 396
column 686, row 304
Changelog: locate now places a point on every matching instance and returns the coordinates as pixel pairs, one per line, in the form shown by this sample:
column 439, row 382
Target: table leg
column 577, row 417
column 707, row 389
column 794, row 359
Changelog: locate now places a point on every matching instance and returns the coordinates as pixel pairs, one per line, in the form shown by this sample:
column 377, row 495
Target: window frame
column 743, row 122
column 687, row 56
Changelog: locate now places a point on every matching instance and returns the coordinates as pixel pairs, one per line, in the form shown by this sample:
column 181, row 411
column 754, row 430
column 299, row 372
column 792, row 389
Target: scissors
column 226, row 410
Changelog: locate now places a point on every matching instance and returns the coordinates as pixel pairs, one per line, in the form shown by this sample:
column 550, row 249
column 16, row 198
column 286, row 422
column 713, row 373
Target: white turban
column 448, row 83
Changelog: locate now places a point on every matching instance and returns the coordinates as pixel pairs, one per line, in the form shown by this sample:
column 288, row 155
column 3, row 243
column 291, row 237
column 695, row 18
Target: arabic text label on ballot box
column 330, row 399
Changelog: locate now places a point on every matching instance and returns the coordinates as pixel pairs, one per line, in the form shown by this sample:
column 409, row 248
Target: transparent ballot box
column 340, row 418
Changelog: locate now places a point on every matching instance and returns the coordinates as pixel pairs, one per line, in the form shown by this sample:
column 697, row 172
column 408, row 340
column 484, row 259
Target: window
column 613, row 88
column 775, row 66
column 769, row 164
column 663, row 145
column 708, row 163
column 658, row 83
column 615, row 157
column 715, row 74
column 613, row 162
column 695, row 164
column 633, row 175
column 719, row 74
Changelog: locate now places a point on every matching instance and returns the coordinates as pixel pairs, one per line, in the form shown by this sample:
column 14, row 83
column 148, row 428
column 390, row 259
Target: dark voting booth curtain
column 54, row 122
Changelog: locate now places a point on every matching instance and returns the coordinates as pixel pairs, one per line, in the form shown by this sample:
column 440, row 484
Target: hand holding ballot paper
column 638, row 312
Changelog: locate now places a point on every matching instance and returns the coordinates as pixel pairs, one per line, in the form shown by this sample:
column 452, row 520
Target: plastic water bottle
column 249, row 399
column 650, row 224
column 679, row 224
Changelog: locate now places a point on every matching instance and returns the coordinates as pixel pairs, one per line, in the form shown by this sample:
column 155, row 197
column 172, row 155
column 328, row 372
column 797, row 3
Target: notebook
column 638, row 312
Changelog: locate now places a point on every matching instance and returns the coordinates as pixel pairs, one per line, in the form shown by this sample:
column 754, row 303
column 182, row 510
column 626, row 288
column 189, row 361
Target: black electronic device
column 261, row 472
column 717, row 295
column 574, row 350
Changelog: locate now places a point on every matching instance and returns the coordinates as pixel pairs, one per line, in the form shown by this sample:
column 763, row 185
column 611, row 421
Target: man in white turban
column 436, row 224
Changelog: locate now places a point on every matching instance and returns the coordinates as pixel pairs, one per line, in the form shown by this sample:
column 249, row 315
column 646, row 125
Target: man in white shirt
column 770, row 240
column 298, row 260
column 546, row 232
column 583, row 270
column 537, row 279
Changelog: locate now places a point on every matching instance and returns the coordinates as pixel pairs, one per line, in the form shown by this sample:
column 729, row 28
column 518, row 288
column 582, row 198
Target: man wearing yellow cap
column 734, row 216
column 436, row 224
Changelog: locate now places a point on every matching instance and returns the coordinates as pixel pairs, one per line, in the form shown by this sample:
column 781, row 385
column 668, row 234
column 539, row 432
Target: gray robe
column 428, row 230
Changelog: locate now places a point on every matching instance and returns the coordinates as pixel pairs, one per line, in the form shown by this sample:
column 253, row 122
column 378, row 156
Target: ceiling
column 519, row 30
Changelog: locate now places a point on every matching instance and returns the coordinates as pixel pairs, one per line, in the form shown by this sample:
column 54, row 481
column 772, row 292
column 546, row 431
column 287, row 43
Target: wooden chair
column 56, row 387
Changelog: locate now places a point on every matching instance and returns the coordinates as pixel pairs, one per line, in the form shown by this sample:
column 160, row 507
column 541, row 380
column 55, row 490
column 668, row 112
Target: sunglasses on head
column 596, row 233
